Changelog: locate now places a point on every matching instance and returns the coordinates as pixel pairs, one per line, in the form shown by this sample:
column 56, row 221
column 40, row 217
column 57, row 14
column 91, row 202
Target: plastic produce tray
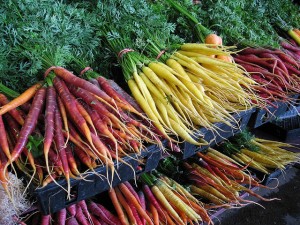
column 262, row 116
column 53, row 198
column 286, row 129
column 225, row 131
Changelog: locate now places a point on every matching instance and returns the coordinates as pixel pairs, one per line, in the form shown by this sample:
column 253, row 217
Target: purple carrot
column 72, row 221
column 84, row 208
column 80, row 216
column 288, row 46
column 125, row 95
column 61, row 216
column 51, row 106
column 30, row 122
column 103, row 213
column 143, row 203
column 45, row 220
column 72, row 210
column 95, row 220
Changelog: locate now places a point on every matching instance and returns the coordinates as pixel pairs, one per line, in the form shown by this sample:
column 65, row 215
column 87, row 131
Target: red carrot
column 97, row 105
column 60, row 146
column 84, row 208
column 255, row 51
column 71, row 160
column 79, row 82
column 51, row 106
column 30, row 123
column 72, row 109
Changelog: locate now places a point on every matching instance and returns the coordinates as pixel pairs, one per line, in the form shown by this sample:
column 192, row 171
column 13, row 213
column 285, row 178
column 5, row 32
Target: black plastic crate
column 268, row 178
column 224, row 131
column 53, row 198
column 285, row 129
column 262, row 116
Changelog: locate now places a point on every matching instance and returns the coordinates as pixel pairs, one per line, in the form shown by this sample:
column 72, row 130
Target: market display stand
column 53, row 198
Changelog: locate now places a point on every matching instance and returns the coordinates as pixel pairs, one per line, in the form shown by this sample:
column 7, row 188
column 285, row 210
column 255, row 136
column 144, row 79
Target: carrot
column 60, row 146
column 104, row 214
column 72, row 221
column 51, row 106
column 45, row 220
column 131, row 189
column 70, row 78
column 151, row 198
column 21, row 99
column 80, row 216
column 3, row 140
column 13, row 112
column 71, row 160
column 63, row 113
column 72, row 210
column 154, row 213
column 130, row 197
column 83, row 157
column 72, row 109
column 111, row 92
column 126, row 207
column 135, row 213
column 49, row 179
column 118, row 207
column 95, row 220
column 169, row 195
column 160, row 196
column 99, row 124
column 30, row 123
column 104, row 114
column 84, row 113
column 143, row 204
column 84, row 208
column 61, row 216
column 125, row 95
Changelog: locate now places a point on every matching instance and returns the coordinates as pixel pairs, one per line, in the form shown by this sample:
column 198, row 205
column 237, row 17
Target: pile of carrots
column 261, row 154
column 70, row 124
column 164, row 202
column 276, row 70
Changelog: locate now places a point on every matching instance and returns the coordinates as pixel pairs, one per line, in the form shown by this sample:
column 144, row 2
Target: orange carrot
column 24, row 97
column 130, row 197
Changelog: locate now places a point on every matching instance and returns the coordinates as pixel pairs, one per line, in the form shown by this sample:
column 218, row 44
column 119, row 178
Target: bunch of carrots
column 70, row 120
column 214, row 178
column 260, row 154
column 277, row 71
column 185, row 89
column 162, row 202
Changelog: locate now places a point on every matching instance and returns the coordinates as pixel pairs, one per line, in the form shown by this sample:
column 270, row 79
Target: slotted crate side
column 53, row 198
column 224, row 131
